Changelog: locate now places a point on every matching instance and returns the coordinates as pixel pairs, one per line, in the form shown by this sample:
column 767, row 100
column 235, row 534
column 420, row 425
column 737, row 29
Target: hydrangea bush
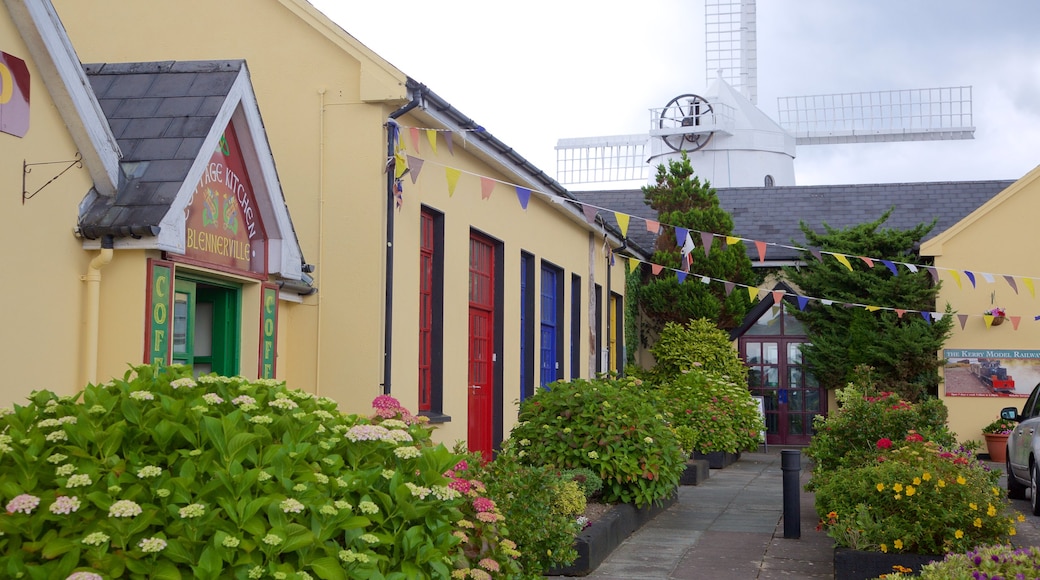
column 160, row 475
column 615, row 427
column 915, row 497
column 711, row 412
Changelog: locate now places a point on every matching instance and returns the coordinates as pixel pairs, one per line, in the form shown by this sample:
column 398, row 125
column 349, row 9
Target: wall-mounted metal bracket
column 27, row 169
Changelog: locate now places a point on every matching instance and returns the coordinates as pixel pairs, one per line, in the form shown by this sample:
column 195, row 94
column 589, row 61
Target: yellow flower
column 884, row 548
column 897, row 487
column 898, row 544
column 977, row 523
column 942, row 483
column 958, row 534
column 910, row 490
column 991, row 511
column 881, row 487
column 926, row 476
column 996, row 492
column 961, row 480
column 1012, row 531
column 973, row 506
column 917, row 481
column 897, row 497
column 1021, row 518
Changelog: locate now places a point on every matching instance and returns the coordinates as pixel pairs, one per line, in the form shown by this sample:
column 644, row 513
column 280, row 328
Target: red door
column 481, row 345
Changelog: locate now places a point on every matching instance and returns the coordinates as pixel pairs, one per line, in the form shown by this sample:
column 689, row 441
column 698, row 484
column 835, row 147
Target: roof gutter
column 393, row 134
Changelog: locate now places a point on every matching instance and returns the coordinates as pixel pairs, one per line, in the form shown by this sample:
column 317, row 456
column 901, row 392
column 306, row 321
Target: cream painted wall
column 541, row 230
column 328, row 149
column 41, row 304
column 996, row 239
column 325, row 99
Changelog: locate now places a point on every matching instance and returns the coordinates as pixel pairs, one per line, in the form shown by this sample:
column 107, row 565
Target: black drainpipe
column 393, row 134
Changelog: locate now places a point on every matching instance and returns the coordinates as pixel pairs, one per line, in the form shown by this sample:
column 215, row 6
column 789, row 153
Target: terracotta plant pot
column 996, row 444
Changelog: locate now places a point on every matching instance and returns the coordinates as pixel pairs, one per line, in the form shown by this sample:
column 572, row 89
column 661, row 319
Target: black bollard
column 791, row 465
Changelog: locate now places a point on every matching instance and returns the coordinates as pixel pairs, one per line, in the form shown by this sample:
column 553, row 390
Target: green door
column 205, row 327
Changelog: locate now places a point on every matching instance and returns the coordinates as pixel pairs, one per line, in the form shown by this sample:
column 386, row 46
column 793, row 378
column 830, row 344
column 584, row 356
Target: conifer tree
column 902, row 349
column 683, row 200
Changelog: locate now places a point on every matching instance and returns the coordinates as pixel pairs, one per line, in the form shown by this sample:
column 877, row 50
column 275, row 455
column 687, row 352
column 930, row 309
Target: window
column 431, row 313
column 769, row 181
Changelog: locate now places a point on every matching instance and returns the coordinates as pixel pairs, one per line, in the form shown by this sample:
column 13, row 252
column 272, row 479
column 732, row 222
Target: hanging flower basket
column 998, row 314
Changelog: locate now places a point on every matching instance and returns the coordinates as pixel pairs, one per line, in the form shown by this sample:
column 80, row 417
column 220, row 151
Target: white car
column 1023, row 450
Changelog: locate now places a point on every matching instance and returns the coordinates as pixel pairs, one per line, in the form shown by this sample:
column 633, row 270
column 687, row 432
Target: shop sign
column 14, row 95
column 990, row 372
column 158, row 299
column 268, row 330
column 223, row 224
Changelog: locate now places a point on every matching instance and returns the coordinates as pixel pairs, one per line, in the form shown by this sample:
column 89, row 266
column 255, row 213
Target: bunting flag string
column 803, row 301
column 413, row 165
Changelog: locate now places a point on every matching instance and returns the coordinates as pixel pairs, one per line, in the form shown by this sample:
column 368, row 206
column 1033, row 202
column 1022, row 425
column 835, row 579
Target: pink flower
column 483, row 504
column 914, row 437
column 488, row 517
column 460, row 485
column 461, row 466
column 24, row 503
column 488, row 564
column 386, row 402
column 884, row 443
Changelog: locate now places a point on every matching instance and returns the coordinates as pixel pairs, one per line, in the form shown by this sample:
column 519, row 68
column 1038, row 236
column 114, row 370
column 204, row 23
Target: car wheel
column 1034, row 482
column 1016, row 489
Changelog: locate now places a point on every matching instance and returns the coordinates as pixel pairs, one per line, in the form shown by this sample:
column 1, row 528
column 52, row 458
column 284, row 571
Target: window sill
column 435, row 417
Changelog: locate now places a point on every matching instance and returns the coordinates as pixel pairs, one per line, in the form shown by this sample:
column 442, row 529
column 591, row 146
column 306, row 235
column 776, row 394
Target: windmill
column 732, row 143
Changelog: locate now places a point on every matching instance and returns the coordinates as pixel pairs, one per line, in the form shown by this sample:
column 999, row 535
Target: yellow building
column 398, row 248
column 984, row 262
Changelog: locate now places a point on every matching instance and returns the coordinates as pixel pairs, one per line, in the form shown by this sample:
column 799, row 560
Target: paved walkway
column 731, row 528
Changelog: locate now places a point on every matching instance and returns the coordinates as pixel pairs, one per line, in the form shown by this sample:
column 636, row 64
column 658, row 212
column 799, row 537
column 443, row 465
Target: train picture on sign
column 993, row 374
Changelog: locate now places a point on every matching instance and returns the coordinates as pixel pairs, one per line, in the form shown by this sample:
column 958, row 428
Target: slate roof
column 772, row 214
column 160, row 113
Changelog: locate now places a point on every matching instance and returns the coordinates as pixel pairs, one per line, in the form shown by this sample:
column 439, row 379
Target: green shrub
column 711, row 413
column 696, row 344
column 915, row 497
column 587, row 480
column 990, row 562
column 525, row 496
column 847, row 436
column 160, row 475
column 612, row 427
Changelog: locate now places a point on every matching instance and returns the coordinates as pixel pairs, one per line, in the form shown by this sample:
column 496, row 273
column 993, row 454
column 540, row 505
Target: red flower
column 914, row 437
column 884, row 443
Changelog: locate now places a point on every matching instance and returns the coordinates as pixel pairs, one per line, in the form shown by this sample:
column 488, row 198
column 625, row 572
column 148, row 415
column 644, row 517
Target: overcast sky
column 536, row 71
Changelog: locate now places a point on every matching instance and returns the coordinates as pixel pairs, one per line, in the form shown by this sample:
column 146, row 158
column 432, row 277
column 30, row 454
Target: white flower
column 231, row 542
column 152, row 545
column 272, row 540
column 183, row 382
column 95, row 539
column 194, row 510
column 407, row 452
column 124, row 508
column 79, row 480
column 212, row 398
column 368, row 507
column 149, row 471
column 63, row 470
column 284, row 404
column 291, row 505
column 64, row 505
column 142, row 396
column 55, row 436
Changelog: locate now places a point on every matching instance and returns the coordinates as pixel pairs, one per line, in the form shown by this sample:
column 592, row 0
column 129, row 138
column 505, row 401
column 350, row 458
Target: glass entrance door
column 772, row 350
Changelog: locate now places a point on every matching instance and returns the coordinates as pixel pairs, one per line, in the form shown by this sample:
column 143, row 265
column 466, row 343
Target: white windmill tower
column 732, row 143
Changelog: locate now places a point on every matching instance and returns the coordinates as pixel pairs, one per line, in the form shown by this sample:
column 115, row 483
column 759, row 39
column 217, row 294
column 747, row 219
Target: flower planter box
column 718, row 459
column 605, row 534
column 696, row 472
column 860, row 565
